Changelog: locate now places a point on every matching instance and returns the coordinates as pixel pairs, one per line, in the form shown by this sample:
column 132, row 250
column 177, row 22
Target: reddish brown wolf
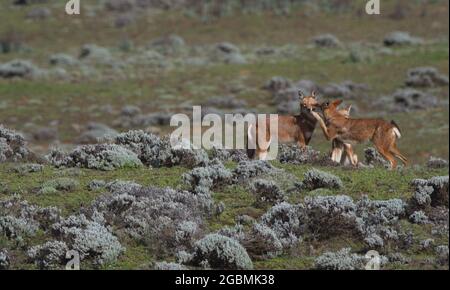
column 382, row 133
column 298, row 129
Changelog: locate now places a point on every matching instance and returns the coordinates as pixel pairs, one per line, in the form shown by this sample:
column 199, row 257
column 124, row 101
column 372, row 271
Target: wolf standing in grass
column 382, row 133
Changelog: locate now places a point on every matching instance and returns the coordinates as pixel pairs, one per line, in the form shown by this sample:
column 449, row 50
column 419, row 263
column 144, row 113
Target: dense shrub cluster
column 59, row 184
column 296, row 155
column 330, row 215
column 434, row 162
column 89, row 238
column 267, row 192
column 430, row 192
column 12, row 146
column 319, row 179
column 425, row 77
column 374, row 158
column 163, row 218
column 98, row 156
column 155, row 151
column 27, row 168
column 50, row 255
column 4, row 259
column 169, row 266
column 236, row 155
column 397, row 38
column 340, row 260
column 220, row 252
column 252, row 168
column 203, row 179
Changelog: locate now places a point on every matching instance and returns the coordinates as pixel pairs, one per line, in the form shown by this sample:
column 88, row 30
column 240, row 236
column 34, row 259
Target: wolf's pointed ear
column 301, row 95
column 313, row 94
column 337, row 102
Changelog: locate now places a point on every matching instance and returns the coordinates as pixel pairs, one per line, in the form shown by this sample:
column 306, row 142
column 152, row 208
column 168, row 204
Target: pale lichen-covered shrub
column 162, row 218
column 4, row 259
column 155, row 151
column 442, row 254
column 419, row 217
column 425, row 77
column 203, row 179
column 326, row 40
column 330, row 215
column 19, row 68
column 396, row 38
column 433, row 191
column 220, row 252
column 262, row 242
column 169, row 266
column 59, row 184
column 91, row 239
column 319, row 179
column 267, row 192
column 99, row 156
column 96, row 184
column 340, row 260
column 287, row 221
column 50, row 255
column 252, row 168
column 12, row 146
column 122, row 186
column 236, row 155
column 436, row 162
column 17, row 228
column 27, row 168
column 376, row 218
column 296, row 155
column 35, row 216
column 374, row 158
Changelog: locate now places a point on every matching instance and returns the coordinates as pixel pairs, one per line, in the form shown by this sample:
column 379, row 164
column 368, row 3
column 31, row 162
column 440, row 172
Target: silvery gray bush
column 12, row 146
column 433, row 191
column 163, row 218
column 330, row 215
column 98, row 156
column 340, row 260
column 267, row 192
column 326, row 40
column 122, row 186
column 262, row 242
column 401, row 38
column 169, row 266
column 442, row 254
column 425, row 77
column 90, row 238
column 252, row 168
column 374, row 158
column 17, row 228
column 19, row 68
column 236, row 155
column 203, row 179
column 96, row 184
column 436, row 162
column 418, row 217
column 155, row 151
column 59, row 184
column 27, row 168
column 287, row 221
column 296, row 155
column 50, row 255
column 314, row 178
column 220, row 252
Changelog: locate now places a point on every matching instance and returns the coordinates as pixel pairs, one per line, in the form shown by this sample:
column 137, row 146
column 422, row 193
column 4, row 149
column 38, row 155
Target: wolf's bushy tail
column 397, row 130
